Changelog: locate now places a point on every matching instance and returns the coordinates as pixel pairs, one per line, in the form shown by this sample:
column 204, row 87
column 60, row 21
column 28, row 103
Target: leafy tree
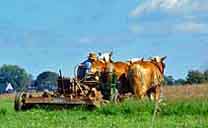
column 15, row 75
column 180, row 82
column 206, row 75
column 46, row 80
column 195, row 77
column 169, row 80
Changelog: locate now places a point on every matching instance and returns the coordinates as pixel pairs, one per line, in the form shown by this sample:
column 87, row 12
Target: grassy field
column 181, row 110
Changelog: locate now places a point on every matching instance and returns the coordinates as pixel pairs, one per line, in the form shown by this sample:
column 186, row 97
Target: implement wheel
column 19, row 101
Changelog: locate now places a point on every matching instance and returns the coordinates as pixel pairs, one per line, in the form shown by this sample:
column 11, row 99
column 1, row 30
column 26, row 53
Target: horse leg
column 138, row 92
column 143, row 92
column 152, row 96
column 151, row 93
column 157, row 93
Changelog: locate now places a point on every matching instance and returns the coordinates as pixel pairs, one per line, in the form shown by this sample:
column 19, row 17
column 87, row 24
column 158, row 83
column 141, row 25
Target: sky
column 52, row 34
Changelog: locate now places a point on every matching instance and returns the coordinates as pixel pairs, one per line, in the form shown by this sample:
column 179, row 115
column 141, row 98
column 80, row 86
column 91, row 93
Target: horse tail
column 136, row 70
column 136, row 78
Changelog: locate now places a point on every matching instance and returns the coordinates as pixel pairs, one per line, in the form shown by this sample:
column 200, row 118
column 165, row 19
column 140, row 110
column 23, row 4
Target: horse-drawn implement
column 89, row 91
column 107, row 81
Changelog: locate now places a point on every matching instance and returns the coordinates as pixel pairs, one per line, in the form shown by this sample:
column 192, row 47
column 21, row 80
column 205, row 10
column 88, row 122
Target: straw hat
column 92, row 55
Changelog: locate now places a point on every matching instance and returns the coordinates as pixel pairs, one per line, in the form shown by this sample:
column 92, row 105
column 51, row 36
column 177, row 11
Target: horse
column 146, row 77
column 98, row 66
column 132, row 60
column 120, row 69
column 106, row 57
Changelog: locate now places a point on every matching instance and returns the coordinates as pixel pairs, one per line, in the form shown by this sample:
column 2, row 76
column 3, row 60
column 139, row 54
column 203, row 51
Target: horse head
column 106, row 57
column 98, row 66
column 159, row 61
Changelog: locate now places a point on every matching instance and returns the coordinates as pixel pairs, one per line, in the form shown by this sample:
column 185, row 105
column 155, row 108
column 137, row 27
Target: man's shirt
column 86, row 65
column 84, row 68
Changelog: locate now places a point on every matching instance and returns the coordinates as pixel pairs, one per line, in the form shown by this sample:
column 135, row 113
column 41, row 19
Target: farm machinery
column 93, row 90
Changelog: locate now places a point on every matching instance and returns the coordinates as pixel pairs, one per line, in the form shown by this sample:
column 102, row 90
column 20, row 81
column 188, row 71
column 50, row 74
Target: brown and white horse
column 146, row 77
column 119, row 68
column 142, row 77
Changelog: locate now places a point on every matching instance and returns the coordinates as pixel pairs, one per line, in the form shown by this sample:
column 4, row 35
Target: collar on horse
column 158, row 66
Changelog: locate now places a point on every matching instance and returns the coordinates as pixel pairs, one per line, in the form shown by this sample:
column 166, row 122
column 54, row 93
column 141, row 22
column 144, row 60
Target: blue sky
column 51, row 35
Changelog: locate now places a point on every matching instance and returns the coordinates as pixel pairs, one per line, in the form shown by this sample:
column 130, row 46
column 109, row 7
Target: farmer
column 85, row 66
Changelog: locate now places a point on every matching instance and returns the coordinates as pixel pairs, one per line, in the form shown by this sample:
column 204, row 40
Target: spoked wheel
column 19, row 101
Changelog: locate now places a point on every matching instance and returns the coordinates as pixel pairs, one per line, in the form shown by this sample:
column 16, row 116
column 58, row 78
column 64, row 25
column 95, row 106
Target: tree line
column 19, row 78
column 193, row 77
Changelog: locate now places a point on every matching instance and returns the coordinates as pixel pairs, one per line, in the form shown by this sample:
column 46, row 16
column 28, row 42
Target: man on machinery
column 107, row 78
column 85, row 66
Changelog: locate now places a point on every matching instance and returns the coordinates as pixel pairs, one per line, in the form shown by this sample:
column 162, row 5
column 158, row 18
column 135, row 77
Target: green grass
column 129, row 114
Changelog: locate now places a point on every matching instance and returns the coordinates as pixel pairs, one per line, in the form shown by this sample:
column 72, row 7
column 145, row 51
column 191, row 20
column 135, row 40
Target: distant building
column 9, row 88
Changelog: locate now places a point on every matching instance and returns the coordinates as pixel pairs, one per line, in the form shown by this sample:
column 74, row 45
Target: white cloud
column 192, row 27
column 188, row 19
column 200, row 6
column 136, row 28
column 170, row 6
column 165, row 5
column 189, row 27
column 86, row 40
column 152, row 28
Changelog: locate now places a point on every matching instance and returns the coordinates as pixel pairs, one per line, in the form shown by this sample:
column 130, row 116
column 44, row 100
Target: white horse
column 106, row 57
column 158, row 58
column 132, row 60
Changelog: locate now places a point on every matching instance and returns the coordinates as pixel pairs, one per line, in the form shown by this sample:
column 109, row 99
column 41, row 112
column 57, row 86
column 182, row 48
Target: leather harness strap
column 156, row 64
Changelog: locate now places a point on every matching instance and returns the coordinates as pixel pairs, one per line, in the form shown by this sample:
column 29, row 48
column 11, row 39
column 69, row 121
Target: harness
column 156, row 64
column 108, row 82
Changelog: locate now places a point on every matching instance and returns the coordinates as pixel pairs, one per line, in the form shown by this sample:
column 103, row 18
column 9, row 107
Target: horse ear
column 111, row 60
column 150, row 58
column 99, row 53
column 104, row 59
column 153, row 59
column 111, row 53
column 163, row 58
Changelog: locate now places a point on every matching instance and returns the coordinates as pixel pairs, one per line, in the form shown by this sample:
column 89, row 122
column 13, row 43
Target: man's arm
column 88, row 67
